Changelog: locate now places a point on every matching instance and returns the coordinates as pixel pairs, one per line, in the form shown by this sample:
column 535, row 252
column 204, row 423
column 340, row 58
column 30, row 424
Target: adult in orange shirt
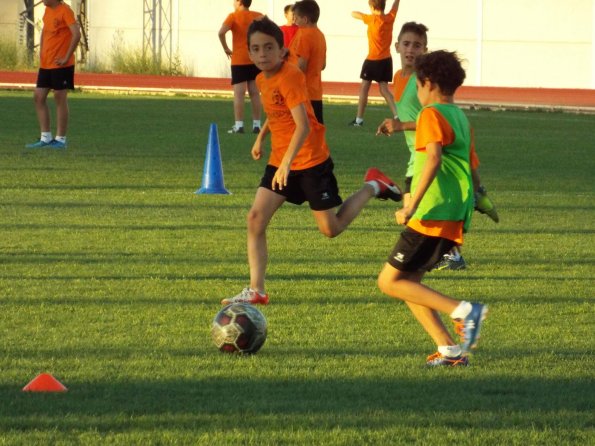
column 243, row 71
column 378, row 66
column 299, row 168
column 308, row 51
column 59, row 38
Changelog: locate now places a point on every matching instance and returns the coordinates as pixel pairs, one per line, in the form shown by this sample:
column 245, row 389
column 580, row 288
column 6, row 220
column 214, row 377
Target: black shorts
column 316, row 185
column 416, row 252
column 407, row 187
column 317, row 106
column 243, row 73
column 377, row 70
column 56, row 78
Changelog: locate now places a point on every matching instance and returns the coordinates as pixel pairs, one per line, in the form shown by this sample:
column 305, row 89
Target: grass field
column 111, row 270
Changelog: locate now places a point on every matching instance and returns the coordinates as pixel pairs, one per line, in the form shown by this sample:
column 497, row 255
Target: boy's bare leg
column 40, row 96
column 255, row 100
column 239, row 91
column 332, row 224
column 61, row 98
column 364, row 90
column 265, row 204
column 388, row 97
column 432, row 323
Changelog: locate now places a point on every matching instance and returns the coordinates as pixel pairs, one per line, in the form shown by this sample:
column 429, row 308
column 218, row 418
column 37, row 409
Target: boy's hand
column 61, row 61
column 389, row 126
column 257, row 149
column 403, row 215
column 280, row 178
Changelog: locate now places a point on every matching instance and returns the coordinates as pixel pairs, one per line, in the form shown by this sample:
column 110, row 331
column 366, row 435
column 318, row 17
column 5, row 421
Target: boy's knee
column 254, row 220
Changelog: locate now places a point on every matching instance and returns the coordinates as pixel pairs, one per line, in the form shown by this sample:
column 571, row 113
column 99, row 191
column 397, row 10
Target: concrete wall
column 511, row 43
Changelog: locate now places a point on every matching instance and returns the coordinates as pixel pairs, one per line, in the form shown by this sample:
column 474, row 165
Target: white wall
column 512, row 43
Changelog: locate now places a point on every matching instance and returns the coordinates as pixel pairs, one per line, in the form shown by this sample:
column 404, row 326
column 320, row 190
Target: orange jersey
column 279, row 93
column 380, row 34
column 437, row 129
column 56, row 36
column 399, row 84
column 238, row 22
column 309, row 44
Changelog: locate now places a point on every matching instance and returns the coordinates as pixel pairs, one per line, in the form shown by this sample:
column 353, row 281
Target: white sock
column 61, row 139
column 462, row 310
column 256, row 291
column 375, row 185
column 359, row 120
column 256, row 123
column 451, row 351
column 239, row 124
column 46, row 136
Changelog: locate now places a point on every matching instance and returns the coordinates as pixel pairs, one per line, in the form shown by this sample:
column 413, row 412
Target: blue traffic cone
column 212, row 176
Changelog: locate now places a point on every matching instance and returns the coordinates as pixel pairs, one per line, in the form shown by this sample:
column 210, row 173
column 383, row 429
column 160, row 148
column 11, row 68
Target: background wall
column 510, row 43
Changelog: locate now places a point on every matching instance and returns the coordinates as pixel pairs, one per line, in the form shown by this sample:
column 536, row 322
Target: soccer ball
column 239, row 328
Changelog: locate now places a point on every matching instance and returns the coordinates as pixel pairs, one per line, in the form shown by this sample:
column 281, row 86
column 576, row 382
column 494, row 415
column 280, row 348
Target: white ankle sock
column 239, row 124
column 256, row 123
column 451, row 351
column 61, row 139
column 359, row 120
column 46, row 136
column 462, row 310
column 375, row 185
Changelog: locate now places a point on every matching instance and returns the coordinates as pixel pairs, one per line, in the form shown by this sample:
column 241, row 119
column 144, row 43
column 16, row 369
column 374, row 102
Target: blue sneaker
column 471, row 326
column 38, row 145
column 55, row 144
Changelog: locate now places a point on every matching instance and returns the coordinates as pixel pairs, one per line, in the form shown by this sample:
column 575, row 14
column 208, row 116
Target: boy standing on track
column 378, row 65
column 438, row 212
column 299, row 168
column 308, row 51
column 59, row 38
column 243, row 71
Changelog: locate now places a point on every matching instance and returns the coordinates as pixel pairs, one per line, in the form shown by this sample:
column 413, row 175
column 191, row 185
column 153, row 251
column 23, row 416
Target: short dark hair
column 442, row 68
column 415, row 28
column 378, row 5
column 288, row 8
column 307, row 8
column 266, row 26
column 246, row 3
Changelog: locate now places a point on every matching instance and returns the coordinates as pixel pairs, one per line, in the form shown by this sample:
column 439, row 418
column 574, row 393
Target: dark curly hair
column 442, row 68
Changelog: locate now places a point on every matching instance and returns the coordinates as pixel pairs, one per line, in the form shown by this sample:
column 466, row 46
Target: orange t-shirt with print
column 309, row 44
column 56, row 36
column 279, row 93
column 238, row 22
column 380, row 34
column 436, row 129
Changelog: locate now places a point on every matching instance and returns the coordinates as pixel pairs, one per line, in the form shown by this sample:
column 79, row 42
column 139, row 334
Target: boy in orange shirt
column 299, row 168
column 59, row 38
column 308, row 51
column 438, row 211
column 243, row 71
column 378, row 65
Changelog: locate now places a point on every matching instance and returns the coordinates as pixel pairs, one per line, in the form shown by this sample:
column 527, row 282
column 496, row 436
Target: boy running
column 243, row 71
column 378, row 66
column 438, row 212
column 308, row 51
column 300, row 167
column 59, row 38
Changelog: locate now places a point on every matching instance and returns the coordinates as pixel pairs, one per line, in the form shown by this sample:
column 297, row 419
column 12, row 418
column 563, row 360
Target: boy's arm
column 390, row 126
column 357, row 15
column 222, row 31
column 395, row 5
column 257, row 147
column 302, row 129
column 429, row 171
column 74, row 41
column 302, row 64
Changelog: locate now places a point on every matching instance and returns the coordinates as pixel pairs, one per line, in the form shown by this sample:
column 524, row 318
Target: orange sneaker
column 249, row 296
column 438, row 360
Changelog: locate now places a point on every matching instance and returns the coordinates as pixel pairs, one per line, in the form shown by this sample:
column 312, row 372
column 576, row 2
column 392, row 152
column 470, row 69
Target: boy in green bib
column 438, row 211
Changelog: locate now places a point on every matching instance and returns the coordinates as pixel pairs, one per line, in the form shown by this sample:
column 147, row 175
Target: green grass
column 111, row 270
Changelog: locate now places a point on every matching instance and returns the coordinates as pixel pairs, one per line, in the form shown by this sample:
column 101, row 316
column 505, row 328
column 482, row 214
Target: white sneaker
column 247, row 296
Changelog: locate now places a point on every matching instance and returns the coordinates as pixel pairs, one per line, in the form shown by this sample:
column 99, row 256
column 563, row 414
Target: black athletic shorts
column 317, row 106
column 316, row 185
column 56, row 78
column 377, row 70
column 418, row 252
column 243, row 73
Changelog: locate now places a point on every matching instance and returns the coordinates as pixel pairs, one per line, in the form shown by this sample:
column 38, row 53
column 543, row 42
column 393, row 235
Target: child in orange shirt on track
column 308, row 51
column 243, row 71
column 59, row 38
column 299, row 168
column 378, row 66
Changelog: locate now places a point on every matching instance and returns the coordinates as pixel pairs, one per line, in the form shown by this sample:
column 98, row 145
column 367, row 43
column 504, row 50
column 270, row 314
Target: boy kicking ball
column 438, row 211
column 299, row 168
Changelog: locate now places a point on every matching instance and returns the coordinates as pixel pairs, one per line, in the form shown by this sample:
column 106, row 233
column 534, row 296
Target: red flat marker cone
column 45, row 383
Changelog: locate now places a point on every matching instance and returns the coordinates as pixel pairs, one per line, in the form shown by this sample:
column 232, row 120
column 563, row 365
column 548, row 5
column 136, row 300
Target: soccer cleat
column 484, row 205
column 55, row 144
column 448, row 261
column 439, row 360
column 256, row 130
column 470, row 327
column 247, row 296
column 235, row 129
column 354, row 123
column 388, row 189
column 38, row 145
